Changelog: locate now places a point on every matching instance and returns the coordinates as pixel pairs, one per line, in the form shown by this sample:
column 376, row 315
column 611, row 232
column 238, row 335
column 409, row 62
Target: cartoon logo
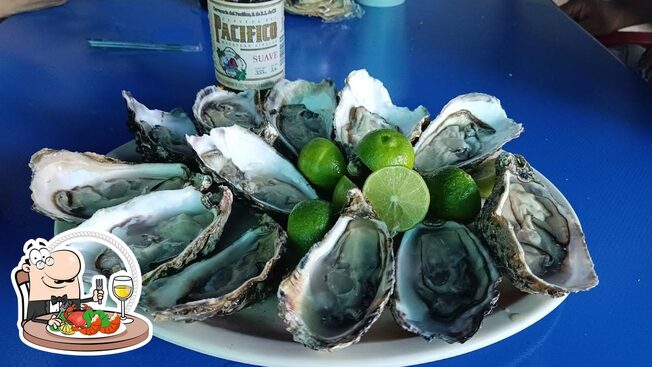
column 234, row 66
column 54, row 312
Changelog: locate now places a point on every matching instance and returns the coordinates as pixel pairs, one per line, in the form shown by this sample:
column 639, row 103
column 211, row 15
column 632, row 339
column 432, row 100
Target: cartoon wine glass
column 123, row 288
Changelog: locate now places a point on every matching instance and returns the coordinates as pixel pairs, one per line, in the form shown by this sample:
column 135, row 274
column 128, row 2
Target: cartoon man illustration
column 53, row 282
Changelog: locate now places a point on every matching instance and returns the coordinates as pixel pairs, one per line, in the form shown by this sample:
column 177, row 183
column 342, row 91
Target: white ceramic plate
column 121, row 329
column 256, row 335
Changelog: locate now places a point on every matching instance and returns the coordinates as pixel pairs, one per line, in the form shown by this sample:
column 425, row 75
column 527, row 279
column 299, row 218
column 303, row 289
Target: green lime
column 322, row 163
column 339, row 194
column 399, row 196
column 307, row 224
column 485, row 177
column 453, row 195
column 384, row 148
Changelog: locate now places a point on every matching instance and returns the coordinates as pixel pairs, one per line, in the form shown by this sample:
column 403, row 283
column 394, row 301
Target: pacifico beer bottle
column 248, row 42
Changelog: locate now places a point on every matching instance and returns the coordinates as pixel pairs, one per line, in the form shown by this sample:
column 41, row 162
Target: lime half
column 399, row 196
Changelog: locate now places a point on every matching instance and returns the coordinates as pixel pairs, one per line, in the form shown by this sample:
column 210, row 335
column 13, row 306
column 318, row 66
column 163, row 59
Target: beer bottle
column 248, row 43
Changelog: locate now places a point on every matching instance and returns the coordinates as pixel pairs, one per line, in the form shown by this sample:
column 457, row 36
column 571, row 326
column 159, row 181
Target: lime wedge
column 399, row 196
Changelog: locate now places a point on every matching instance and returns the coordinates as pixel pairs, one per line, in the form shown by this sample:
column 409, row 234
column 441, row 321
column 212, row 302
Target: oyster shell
column 72, row 186
column 533, row 232
column 361, row 90
column 160, row 136
column 222, row 282
column 328, row 10
column 252, row 167
column 470, row 128
column 215, row 107
column 300, row 111
column 339, row 289
column 164, row 229
column 445, row 282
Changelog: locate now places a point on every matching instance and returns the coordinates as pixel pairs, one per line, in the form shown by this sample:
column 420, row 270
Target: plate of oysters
column 203, row 202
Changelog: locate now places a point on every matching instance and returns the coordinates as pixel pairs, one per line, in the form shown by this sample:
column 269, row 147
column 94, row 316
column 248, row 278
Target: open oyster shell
column 361, row 90
column 339, row 289
column 445, row 282
column 533, row 232
column 300, row 111
column 215, row 107
column 164, row 229
column 72, row 186
column 222, row 282
column 470, row 128
column 328, row 10
column 252, row 167
column 160, row 136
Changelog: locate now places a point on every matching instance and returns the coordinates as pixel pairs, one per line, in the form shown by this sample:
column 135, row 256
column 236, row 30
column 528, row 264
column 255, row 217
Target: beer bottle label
column 248, row 43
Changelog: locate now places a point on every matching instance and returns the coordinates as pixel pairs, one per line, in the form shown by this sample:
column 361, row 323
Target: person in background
column 601, row 17
column 11, row 7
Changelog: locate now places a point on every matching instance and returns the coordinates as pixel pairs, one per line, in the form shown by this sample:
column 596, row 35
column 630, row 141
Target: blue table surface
column 587, row 125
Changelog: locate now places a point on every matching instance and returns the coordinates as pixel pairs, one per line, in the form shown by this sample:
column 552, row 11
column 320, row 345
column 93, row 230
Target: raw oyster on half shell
column 445, row 282
column 160, row 136
column 340, row 287
column 72, row 186
column 328, row 10
column 252, row 168
column 300, row 111
column 164, row 229
column 222, row 282
column 215, row 107
column 533, row 232
column 470, row 128
column 361, row 90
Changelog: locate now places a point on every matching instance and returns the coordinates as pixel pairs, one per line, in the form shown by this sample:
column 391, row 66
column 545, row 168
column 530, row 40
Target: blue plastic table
column 587, row 119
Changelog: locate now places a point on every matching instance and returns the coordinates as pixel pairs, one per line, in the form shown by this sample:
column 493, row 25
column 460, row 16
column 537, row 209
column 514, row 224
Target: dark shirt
column 42, row 307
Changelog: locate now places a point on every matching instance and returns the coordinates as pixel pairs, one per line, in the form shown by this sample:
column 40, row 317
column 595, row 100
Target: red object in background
column 626, row 38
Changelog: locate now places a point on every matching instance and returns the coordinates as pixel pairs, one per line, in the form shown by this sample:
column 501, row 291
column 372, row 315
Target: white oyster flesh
column 300, row 111
column 328, row 10
column 341, row 286
column 534, row 232
column 361, row 90
column 160, row 135
column 445, row 282
column 221, row 282
column 215, row 107
column 470, row 128
column 252, row 167
column 162, row 226
column 72, row 186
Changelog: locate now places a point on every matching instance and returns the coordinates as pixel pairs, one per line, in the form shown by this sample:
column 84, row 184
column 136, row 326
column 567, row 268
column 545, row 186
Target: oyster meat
column 221, row 282
column 533, row 232
column 72, row 186
column 341, row 286
column 445, row 282
column 164, row 229
column 252, row 167
column 160, row 136
column 300, row 111
column 361, row 90
column 470, row 128
column 215, row 107
column 328, row 10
